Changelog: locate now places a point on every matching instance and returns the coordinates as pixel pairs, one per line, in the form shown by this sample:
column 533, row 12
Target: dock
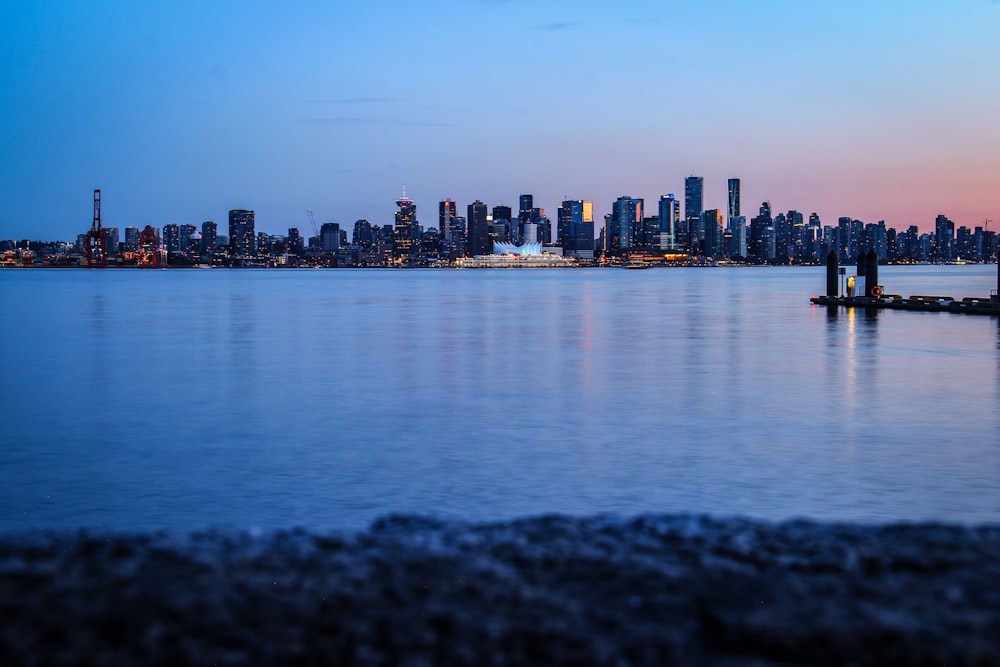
column 872, row 295
column 927, row 304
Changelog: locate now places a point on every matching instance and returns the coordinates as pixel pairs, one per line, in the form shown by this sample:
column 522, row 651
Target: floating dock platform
column 930, row 304
column 872, row 294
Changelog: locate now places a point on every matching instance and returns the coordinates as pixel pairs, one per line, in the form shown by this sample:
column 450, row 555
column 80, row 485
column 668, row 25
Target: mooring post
column 871, row 279
column 832, row 267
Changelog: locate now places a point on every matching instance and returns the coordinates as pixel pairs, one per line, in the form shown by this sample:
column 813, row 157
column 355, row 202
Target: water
column 181, row 399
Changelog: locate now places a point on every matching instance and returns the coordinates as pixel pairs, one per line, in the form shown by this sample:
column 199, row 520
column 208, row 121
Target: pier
column 872, row 295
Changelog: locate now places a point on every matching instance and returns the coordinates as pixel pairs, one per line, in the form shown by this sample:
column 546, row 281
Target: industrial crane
column 95, row 237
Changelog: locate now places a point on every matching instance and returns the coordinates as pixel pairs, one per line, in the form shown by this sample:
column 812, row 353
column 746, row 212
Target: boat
column 637, row 264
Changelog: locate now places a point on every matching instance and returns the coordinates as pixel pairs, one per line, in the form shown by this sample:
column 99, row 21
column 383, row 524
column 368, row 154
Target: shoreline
column 602, row 590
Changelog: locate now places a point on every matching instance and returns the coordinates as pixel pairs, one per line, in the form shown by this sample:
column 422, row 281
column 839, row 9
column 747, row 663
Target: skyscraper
column 759, row 248
column 479, row 229
column 625, row 224
column 405, row 236
column 694, row 206
column 669, row 218
column 712, row 226
column 242, row 238
column 575, row 227
column 734, row 200
column 329, row 235
column 526, row 204
column 502, row 215
column 209, row 237
column 447, row 211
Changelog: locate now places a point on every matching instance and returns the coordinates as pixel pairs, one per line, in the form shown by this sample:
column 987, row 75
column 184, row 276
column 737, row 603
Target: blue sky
column 181, row 111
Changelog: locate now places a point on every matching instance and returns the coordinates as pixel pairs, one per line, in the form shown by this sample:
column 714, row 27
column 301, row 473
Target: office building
column 669, row 215
column 478, row 230
column 241, row 233
column 733, row 209
column 694, row 206
column 624, row 225
column 406, row 233
column 209, row 237
column 575, row 226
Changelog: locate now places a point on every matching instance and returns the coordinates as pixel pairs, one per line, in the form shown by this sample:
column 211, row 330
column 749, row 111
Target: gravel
column 549, row 590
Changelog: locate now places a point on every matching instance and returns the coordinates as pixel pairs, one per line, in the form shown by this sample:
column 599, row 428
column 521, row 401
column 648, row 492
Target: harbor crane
column 97, row 252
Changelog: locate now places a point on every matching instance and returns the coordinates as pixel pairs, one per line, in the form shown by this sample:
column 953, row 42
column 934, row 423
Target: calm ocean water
column 324, row 398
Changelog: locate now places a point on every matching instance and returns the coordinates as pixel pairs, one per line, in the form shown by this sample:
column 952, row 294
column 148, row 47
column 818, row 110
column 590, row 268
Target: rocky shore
column 552, row 590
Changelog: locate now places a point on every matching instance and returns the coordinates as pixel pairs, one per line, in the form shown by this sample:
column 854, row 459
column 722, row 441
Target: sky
column 184, row 110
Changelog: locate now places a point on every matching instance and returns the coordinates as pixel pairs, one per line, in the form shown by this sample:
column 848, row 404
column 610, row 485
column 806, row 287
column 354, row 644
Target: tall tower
column 575, row 227
column 625, row 222
column 734, row 200
column 479, row 229
column 447, row 212
column 669, row 215
column 694, row 206
column 242, row 238
column 404, row 236
column 525, row 213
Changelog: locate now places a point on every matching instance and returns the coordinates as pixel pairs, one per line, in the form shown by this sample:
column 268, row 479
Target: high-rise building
column 694, row 206
column 111, row 241
column 625, row 224
column 576, row 228
column 502, row 215
column 479, row 229
column 447, row 212
column 209, row 237
column 241, row 233
column 669, row 222
column 761, row 244
column 738, row 236
column 171, row 238
column 365, row 235
column 131, row 239
column 329, row 235
column 406, row 237
column 734, row 201
column 944, row 239
column 525, row 214
column 712, row 226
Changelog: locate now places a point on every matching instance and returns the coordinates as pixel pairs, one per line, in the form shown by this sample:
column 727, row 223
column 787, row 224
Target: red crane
column 95, row 237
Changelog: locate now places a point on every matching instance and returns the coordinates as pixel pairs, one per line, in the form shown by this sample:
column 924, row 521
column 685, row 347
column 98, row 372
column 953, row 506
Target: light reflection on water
column 182, row 399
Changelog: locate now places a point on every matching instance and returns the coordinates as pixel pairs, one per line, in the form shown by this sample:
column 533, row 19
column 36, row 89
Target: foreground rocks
column 652, row 590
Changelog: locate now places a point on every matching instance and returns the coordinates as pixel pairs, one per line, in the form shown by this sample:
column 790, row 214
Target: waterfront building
column 447, row 212
column 733, row 209
column 295, row 244
column 576, row 228
column 209, row 237
column 694, row 206
column 712, row 226
column 329, row 235
column 526, row 213
column 364, row 235
column 131, row 239
column 241, row 233
column 624, row 226
column 503, row 215
column 738, row 236
column 405, row 235
column 669, row 222
column 479, row 229
column 944, row 239
column 761, row 245
column 171, row 238
column 111, row 241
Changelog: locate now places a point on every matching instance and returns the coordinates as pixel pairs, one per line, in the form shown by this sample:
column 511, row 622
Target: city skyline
column 874, row 112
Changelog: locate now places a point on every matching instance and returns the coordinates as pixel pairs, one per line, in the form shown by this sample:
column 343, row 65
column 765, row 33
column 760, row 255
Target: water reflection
column 328, row 398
